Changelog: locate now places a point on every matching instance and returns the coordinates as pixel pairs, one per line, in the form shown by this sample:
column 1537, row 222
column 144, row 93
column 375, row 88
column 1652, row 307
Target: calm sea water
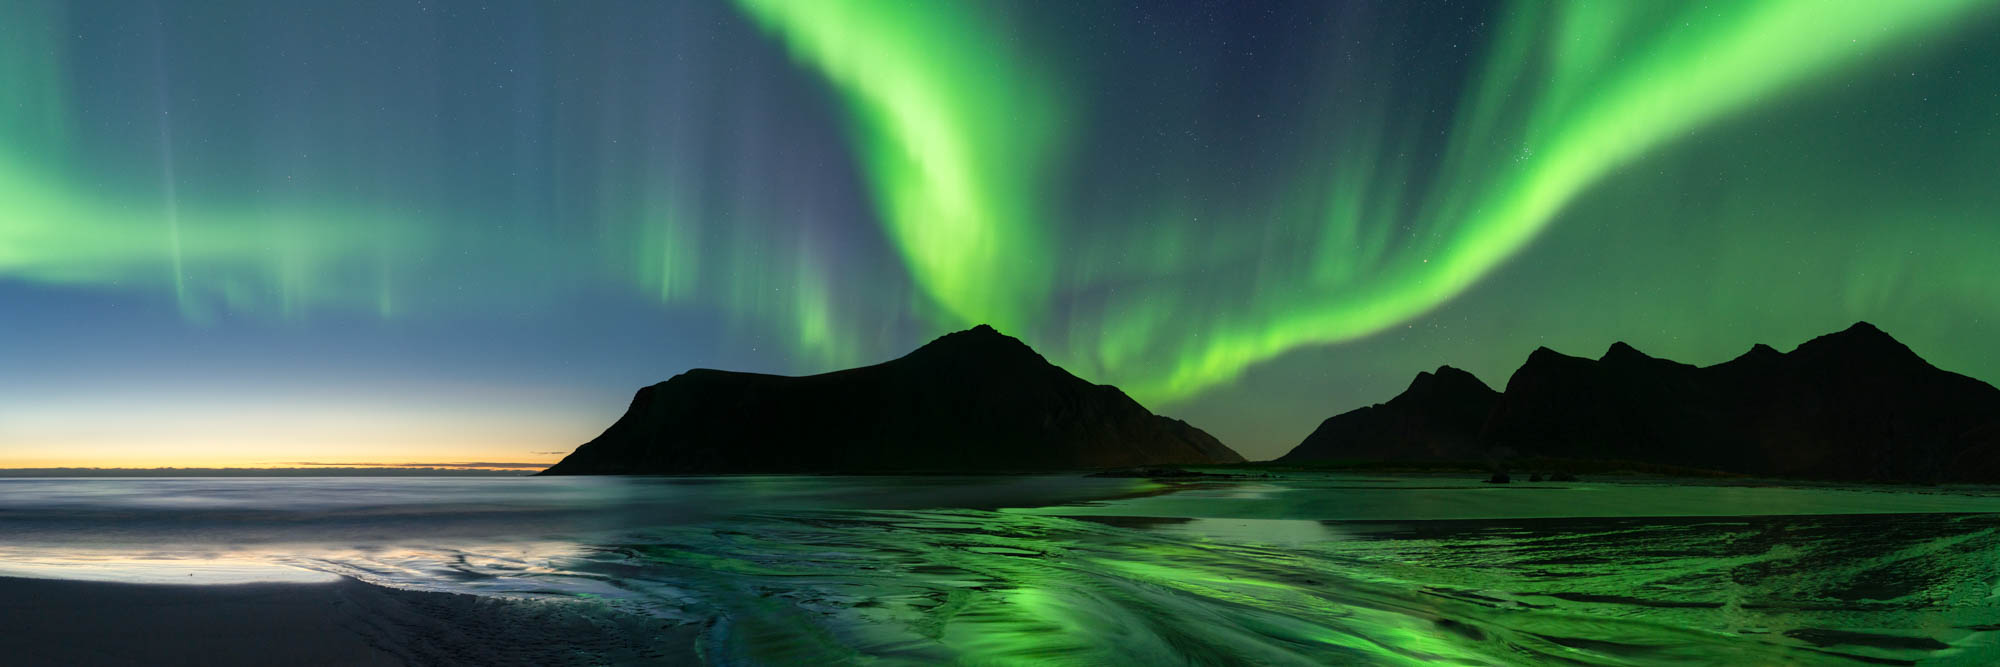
column 1308, row 569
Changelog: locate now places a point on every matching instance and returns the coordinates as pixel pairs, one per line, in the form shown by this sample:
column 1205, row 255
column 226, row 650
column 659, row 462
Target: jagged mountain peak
column 1851, row 405
column 1544, row 354
column 1446, row 379
column 1622, row 351
column 1861, row 342
column 980, row 341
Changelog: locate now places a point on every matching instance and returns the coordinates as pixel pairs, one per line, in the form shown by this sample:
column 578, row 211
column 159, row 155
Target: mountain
column 1855, row 405
column 1438, row 418
column 970, row 401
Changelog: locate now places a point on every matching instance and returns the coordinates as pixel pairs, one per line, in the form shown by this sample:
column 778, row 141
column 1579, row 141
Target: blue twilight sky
column 252, row 233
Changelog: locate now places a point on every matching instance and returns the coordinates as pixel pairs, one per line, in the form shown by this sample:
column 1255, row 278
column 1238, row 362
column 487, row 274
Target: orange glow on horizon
column 527, row 463
column 287, row 432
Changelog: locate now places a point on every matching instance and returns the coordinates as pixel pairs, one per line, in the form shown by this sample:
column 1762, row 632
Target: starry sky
column 242, row 233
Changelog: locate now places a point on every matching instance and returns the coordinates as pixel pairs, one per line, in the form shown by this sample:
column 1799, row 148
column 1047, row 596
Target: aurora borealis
column 467, row 231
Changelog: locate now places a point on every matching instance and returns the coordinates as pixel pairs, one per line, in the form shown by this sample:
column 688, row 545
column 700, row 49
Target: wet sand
column 346, row 622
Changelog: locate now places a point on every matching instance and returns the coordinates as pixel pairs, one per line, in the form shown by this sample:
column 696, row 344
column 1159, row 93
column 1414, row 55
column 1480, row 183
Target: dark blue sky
column 244, row 233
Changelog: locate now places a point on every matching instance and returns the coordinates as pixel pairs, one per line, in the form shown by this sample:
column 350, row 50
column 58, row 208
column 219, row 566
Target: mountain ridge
column 1853, row 405
column 968, row 401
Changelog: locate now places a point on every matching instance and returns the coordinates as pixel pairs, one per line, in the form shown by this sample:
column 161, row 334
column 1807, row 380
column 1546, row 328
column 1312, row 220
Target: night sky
column 264, row 233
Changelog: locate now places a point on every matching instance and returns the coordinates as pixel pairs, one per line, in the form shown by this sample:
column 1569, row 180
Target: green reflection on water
column 986, row 587
column 1287, row 570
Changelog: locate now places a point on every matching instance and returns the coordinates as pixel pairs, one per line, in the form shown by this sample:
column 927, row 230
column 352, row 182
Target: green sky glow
column 1574, row 91
column 62, row 226
column 1253, row 220
column 954, row 128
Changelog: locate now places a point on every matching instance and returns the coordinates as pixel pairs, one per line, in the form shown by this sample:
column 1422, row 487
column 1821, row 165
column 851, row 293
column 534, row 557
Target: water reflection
column 1071, row 570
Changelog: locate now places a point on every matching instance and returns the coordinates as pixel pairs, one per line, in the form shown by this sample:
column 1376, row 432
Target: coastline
column 1198, row 569
column 344, row 622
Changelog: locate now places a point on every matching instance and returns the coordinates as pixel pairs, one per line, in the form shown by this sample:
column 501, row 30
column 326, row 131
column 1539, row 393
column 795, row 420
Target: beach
column 1290, row 568
column 342, row 622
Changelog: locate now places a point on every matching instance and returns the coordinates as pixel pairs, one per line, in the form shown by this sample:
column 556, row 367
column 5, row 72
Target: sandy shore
column 347, row 622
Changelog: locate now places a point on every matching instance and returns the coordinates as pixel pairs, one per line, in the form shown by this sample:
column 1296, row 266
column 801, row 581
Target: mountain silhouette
column 1856, row 405
column 1437, row 418
column 971, row 401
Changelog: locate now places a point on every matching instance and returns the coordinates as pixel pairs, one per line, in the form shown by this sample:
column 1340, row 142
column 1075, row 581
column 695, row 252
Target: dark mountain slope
column 1852, row 405
column 971, row 401
column 1438, row 418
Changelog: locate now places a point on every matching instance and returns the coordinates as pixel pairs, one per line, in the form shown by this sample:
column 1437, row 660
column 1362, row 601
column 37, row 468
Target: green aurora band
column 968, row 135
column 278, row 255
column 1579, row 88
column 955, row 129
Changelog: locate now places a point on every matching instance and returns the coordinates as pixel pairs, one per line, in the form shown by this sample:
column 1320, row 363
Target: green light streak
column 1570, row 94
column 982, row 158
column 58, row 228
column 955, row 126
column 242, row 261
column 729, row 259
column 1612, row 95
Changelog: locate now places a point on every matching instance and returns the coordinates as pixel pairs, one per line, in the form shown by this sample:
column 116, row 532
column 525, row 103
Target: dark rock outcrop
column 1854, row 405
column 971, row 401
column 1438, row 418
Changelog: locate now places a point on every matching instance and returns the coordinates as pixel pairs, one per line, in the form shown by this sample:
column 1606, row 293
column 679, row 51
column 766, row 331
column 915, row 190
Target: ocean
column 1290, row 569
